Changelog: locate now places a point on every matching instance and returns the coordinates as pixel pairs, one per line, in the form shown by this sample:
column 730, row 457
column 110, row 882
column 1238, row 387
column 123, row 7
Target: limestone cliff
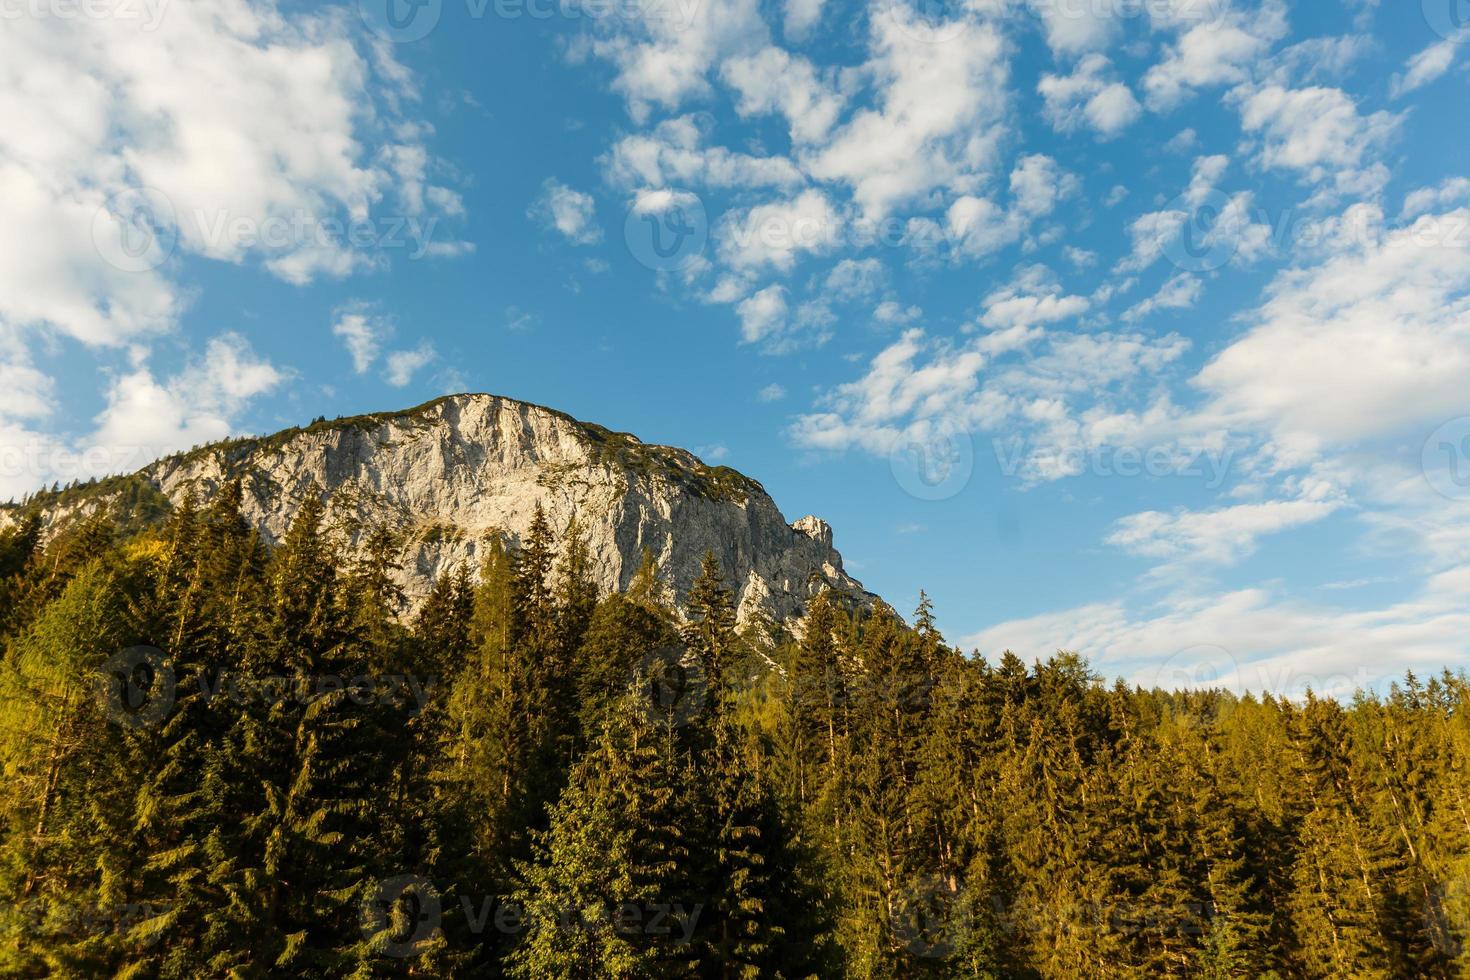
column 451, row 475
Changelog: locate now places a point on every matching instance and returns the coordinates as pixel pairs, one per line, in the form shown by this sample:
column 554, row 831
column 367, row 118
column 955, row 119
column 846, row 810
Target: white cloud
column 773, row 80
column 1216, row 52
column 1179, row 293
column 571, row 212
column 673, row 154
column 1060, row 396
column 1455, row 190
column 1072, row 27
column 233, row 131
column 1088, row 97
column 1213, row 226
column 763, row 314
column 1316, row 131
column 401, row 365
column 1034, row 299
column 1183, row 141
column 363, row 334
column 1253, row 640
column 1221, row 536
column 772, row 392
column 977, row 226
column 1038, row 183
column 940, row 113
column 1428, row 65
column 892, row 313
column 666, row 57
column 801, row 17
column 252, row 129
column 856, row 279
column 776, row 234
column 146, row 418
column 1374, row 337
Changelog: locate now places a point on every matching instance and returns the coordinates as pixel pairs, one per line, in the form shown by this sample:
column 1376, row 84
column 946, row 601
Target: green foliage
column 220, row 760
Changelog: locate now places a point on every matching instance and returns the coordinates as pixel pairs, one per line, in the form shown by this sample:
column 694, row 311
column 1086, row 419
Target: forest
column 223, row 759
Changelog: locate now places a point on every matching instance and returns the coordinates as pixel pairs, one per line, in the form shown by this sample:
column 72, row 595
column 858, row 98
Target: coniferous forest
column 228, row 760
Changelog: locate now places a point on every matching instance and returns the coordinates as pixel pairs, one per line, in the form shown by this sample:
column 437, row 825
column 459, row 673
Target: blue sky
column 1136, row 327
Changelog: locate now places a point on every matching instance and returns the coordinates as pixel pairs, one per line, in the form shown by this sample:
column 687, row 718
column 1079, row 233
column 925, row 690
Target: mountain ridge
column 450, row 474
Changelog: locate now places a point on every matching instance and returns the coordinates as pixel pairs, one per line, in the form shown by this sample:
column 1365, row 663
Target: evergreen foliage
column 225, row 760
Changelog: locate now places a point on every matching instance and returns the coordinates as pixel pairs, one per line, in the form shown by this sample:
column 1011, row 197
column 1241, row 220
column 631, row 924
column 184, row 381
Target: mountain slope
column 454, row 473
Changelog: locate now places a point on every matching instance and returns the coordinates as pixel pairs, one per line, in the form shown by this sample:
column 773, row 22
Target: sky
column 1139, row 328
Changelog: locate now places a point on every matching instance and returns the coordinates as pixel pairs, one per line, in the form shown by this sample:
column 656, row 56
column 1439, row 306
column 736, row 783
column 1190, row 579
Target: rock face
column 452, row 475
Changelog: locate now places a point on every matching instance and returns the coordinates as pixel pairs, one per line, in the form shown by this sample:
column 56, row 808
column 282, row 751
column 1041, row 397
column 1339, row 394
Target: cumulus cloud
column 939, row 114
column 763, row 314
column 1372, row 338
column 570, row 212
column 1179, row 293
column 773, row 80
column 146, row 417
column 1429, row 64
column 673, row 154
column 1255, row 639
column 775, row 234
column 1223, row 535
column 362, row 333
column 1315, row 131
column 400, row 366
column 1211, row 53
column 1089, row 97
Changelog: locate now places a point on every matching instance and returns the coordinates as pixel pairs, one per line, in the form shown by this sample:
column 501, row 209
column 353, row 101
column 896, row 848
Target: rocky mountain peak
column 454, row 474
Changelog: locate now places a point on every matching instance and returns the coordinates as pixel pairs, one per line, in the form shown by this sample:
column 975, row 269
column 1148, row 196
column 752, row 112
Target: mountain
column 452, row 474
